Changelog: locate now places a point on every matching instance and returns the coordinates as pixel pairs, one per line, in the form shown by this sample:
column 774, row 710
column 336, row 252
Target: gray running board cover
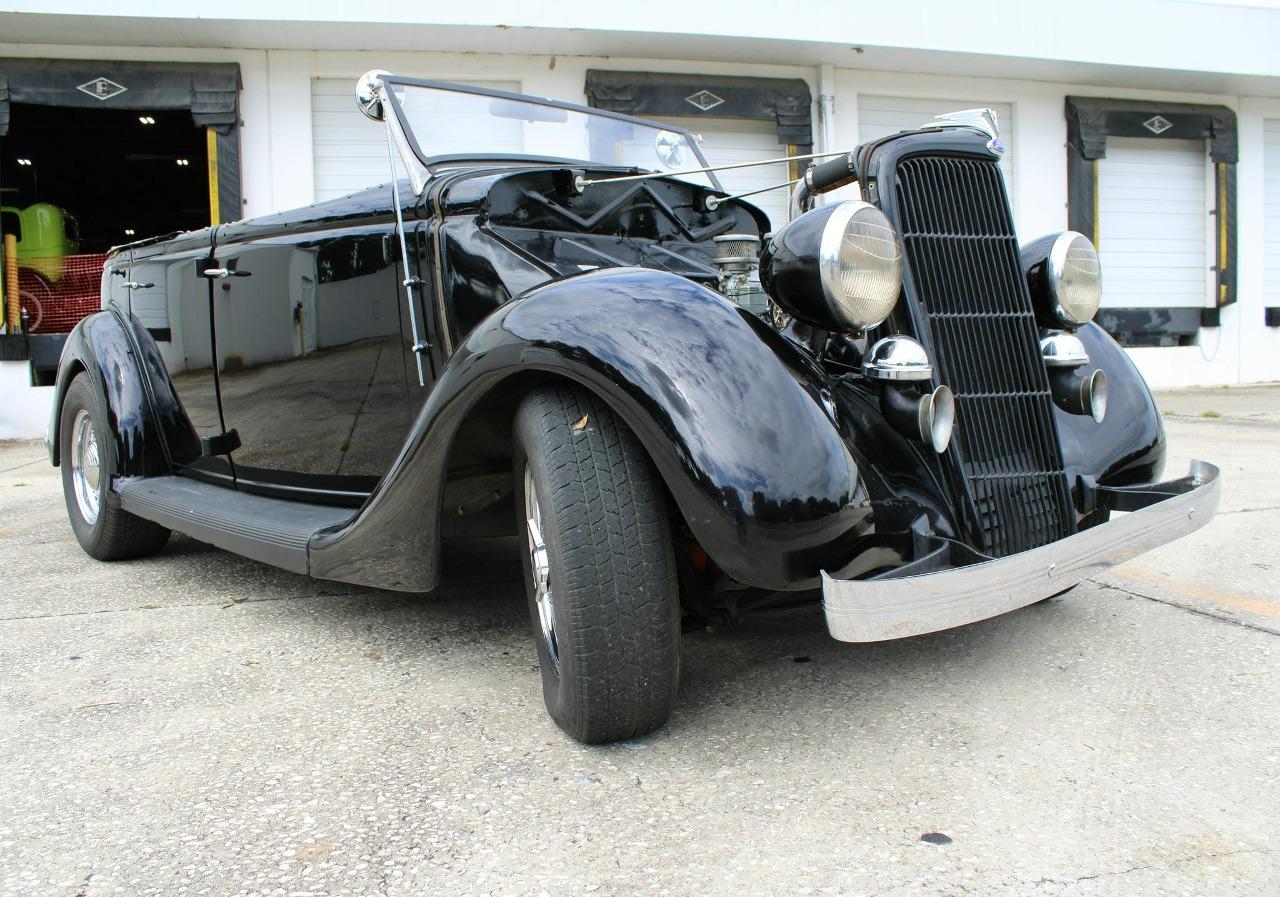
column 270, row 530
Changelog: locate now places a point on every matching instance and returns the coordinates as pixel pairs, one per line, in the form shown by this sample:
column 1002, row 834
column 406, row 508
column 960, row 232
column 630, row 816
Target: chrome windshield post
column 371, row 99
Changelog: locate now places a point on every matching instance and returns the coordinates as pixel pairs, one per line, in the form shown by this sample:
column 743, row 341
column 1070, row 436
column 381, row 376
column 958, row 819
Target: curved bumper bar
column 873, row 610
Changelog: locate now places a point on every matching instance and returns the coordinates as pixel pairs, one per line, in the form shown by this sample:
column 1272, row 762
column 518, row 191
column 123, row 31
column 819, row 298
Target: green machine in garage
column 46, row 234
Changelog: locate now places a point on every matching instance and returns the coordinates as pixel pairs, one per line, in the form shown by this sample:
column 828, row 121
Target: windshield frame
column 430, row 162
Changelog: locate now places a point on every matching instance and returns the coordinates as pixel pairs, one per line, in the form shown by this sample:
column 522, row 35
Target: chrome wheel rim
column 86, row 466
column 540, row 570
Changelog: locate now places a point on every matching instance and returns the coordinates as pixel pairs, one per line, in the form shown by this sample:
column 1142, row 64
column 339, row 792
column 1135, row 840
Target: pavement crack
column 1249, row 510
column 24, row 464
column 83, row 889
column 1187, row 607
column 220, row 604
column 1195, row 857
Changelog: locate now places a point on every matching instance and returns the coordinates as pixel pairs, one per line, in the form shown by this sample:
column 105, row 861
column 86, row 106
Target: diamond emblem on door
column 1157, row 124
column 102, row 88
column 704, row 100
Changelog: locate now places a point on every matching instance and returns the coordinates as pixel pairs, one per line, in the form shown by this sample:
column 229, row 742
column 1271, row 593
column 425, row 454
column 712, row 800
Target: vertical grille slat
column 962, row 252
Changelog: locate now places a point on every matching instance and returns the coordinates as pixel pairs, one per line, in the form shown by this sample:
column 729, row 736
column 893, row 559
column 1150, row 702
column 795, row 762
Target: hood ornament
column 983, row 120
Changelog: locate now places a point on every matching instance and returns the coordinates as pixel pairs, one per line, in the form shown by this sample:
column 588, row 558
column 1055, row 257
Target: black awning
column 786, row 102
column 1090, row 120
column 210, row 90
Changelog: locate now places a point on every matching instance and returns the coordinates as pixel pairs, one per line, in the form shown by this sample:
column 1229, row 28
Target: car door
column 309, row 345
column 165, row 292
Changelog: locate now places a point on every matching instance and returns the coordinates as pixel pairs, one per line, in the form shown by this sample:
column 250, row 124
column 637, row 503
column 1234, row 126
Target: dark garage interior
column 123, row 174
column 96, row 154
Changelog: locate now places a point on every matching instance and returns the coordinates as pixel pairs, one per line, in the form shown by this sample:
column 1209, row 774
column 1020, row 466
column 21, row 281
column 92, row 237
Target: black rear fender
column 123, row 364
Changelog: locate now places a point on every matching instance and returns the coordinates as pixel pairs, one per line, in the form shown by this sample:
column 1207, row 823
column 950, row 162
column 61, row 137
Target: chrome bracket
column 412, row 284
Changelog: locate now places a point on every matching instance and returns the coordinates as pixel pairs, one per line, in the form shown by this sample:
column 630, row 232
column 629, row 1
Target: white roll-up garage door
column 880, row 116
column 1271, row 206
column 350, row 151
column 1153, row 222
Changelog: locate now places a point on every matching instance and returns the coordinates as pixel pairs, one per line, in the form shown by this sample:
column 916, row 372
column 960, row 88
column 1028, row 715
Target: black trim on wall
column 786, row 102
column 1271, row 316
column 210, row 90
column 1151, row 326
column 230, row 202
column 1090, row 121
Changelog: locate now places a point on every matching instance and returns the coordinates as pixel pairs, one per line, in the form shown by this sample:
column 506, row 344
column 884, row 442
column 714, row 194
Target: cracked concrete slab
column 197, row 723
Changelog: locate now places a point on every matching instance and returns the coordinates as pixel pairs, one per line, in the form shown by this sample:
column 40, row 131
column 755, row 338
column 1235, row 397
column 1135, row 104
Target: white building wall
column 1259, row 346
column 278, row 171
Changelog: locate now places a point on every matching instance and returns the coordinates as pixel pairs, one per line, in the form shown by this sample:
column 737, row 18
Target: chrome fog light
column 1063, row 350
column 897, row 358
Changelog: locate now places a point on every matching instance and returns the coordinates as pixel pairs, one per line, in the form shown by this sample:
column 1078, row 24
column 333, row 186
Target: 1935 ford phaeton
column 594, row 346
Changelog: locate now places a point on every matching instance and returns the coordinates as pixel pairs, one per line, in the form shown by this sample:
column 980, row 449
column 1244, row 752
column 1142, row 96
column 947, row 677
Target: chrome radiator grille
column 962, row 251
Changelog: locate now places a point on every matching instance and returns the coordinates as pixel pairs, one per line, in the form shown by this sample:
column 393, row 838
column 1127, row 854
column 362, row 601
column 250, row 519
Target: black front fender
column 1128, row 447
column 733, row 419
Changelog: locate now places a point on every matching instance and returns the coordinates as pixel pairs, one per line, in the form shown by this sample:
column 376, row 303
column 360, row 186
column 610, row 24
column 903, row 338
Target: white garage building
column 1153, row 125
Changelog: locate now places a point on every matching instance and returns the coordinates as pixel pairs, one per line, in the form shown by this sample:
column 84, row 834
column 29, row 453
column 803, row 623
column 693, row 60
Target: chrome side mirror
column 369, row 94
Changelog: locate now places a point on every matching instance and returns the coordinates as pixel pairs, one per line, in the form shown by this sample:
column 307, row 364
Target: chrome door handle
column 223, row 273
column 134, row 285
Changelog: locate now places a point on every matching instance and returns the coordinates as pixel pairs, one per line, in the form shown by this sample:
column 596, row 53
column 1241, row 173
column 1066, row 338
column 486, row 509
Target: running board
column 270, row 530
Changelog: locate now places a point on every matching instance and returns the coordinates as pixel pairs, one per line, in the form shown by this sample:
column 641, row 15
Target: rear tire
column 599, row 569
column 87, row 455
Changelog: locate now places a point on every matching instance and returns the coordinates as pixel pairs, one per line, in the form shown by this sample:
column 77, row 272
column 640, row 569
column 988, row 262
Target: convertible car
column 886, row 403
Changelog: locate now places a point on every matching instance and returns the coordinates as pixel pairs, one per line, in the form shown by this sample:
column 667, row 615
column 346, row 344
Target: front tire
column 599, row 568
column 86, row 451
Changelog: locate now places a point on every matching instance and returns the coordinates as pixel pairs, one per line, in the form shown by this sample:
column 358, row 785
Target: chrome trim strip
column 877, row 610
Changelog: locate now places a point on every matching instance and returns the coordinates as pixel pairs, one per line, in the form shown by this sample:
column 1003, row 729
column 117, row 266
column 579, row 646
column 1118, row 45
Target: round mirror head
column 369, row 94
column 671, row 149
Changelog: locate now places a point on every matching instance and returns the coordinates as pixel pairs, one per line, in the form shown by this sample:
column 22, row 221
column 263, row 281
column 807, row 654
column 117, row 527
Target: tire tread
column 618, row 569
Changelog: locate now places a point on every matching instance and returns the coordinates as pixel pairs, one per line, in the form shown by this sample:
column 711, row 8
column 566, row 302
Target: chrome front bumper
column 873, row 610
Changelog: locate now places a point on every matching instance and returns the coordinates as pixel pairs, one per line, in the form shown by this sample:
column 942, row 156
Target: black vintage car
column 593, row 346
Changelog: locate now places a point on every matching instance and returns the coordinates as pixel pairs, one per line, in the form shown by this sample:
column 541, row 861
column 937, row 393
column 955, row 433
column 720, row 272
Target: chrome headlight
column 837, row 267
column 1074, row 276
column 1065, row 278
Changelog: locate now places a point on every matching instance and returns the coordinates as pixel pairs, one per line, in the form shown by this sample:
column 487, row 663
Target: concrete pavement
column 195, row 723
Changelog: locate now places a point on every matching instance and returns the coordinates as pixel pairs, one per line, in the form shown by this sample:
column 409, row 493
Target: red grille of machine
column 57, row 292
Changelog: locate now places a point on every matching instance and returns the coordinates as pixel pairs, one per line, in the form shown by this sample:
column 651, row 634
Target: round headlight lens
column 1074, row 277
column 860, row 265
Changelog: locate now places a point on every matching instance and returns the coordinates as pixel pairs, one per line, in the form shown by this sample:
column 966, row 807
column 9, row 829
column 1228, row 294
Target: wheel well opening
column 479, row 486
